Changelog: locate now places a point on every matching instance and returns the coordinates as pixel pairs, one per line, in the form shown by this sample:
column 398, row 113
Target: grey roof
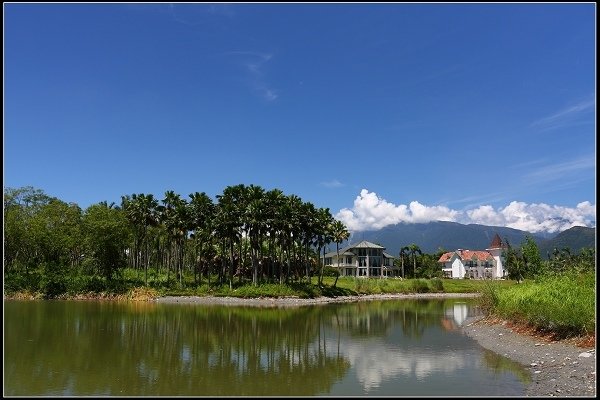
column 362, row 245
column 342, row 253
column 369, row 245
column 388, row 255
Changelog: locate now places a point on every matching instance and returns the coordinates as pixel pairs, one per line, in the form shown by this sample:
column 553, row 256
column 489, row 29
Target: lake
column 368, row 348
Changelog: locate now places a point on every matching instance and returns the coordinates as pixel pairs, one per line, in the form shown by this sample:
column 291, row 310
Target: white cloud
column 370, row 212
column 332, row 184
column 253, row 62
column 558, row 171
column 568, row 116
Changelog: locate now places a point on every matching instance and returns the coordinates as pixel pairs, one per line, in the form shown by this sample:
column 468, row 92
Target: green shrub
column 420, row 286
column 330, row 271
column 437, row 285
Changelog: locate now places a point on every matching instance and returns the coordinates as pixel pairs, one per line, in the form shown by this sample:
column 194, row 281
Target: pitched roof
column 496, row 242
column 363, row 245
column 366, row 244
column 342, row 253
column 480, row 255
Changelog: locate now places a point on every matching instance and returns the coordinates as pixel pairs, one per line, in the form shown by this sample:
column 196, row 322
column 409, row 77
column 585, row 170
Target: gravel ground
column 296, row 301
column 558, row 368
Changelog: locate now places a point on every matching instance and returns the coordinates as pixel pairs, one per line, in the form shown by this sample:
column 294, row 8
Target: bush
column 330, row 271
column 437, row 284
column 420, row 286
column 53, row 286
column 95, row 284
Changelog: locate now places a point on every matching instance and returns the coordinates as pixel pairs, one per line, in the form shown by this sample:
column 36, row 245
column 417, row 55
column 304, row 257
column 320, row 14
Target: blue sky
column 475, row 113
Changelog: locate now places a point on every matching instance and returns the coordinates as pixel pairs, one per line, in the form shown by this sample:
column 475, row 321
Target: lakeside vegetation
column 253, row 243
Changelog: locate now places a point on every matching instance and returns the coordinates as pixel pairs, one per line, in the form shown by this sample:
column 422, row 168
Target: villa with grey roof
column 475, row 264
column 364, row 259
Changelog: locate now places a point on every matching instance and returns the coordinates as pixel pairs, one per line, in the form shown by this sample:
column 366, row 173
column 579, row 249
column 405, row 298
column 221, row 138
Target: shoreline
column 558, row 368
column 297, row 301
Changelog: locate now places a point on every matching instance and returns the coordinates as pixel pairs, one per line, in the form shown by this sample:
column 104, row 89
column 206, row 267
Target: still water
column 374, row 348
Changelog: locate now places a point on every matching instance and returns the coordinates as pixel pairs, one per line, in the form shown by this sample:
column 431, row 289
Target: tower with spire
column 496, row 249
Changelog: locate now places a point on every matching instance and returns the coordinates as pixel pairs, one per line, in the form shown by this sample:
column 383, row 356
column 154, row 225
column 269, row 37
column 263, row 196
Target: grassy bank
column 130, row 285
column 563, row 305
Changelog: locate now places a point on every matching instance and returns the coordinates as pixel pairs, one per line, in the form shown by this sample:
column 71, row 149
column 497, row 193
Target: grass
column 563, row 305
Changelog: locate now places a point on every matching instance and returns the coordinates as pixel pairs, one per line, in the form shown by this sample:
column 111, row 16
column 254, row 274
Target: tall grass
column 563, row 304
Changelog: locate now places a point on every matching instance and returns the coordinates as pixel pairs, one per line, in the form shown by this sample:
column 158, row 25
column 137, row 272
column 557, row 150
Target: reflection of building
column 455, row 316
column 475, row 264
column 363, row 259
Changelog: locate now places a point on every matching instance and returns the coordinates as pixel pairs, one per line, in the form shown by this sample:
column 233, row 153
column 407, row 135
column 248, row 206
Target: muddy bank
column 563, row 368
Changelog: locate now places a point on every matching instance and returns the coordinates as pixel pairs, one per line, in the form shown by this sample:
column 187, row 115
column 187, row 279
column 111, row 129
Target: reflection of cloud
column 378, row 362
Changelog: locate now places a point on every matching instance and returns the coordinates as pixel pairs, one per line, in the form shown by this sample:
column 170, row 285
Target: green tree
column 339, row 234
column 107, row 235
column 20, row 207
column 402, row 255
column 413, row 250
column 201, row 212
column 515, row 264
column 531, row 257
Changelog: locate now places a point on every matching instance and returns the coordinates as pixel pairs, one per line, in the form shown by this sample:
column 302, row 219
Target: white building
column 363, row 259
column 475, row 264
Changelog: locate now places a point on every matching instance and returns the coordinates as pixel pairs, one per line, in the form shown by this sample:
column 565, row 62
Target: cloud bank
column 370, row 212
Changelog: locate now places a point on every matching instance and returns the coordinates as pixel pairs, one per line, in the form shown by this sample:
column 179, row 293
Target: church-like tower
column 496, row 249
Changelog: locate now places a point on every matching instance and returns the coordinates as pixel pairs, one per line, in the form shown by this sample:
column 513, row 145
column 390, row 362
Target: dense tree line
column 525, row 261
column 246, row 234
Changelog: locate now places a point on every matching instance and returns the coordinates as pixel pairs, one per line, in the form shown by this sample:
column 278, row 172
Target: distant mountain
column 451, row 236
column 574, row 238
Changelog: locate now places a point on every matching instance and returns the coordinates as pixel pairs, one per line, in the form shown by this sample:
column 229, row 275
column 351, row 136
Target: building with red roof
column 475, row 264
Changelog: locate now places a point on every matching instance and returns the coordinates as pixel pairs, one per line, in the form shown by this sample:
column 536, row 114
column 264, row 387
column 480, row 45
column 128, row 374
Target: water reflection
column 392, row 347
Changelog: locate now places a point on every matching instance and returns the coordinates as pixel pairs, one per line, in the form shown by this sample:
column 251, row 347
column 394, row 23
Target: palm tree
column 255, row 221
column 173, row 214
column 413, row 249
column 323, row 235
column 340, row 234
column 201, row 211
column 403, row 253
column 230, row 223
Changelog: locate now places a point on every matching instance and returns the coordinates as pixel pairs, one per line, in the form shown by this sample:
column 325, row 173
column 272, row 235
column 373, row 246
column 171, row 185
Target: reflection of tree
column 499, row 364
column 147, row 349
column 114, row 349
column 375, row 318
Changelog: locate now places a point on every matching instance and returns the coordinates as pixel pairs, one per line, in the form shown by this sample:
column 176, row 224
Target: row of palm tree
column 247, row 232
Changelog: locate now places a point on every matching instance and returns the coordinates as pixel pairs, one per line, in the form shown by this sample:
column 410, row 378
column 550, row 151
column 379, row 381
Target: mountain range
column 433, row 236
